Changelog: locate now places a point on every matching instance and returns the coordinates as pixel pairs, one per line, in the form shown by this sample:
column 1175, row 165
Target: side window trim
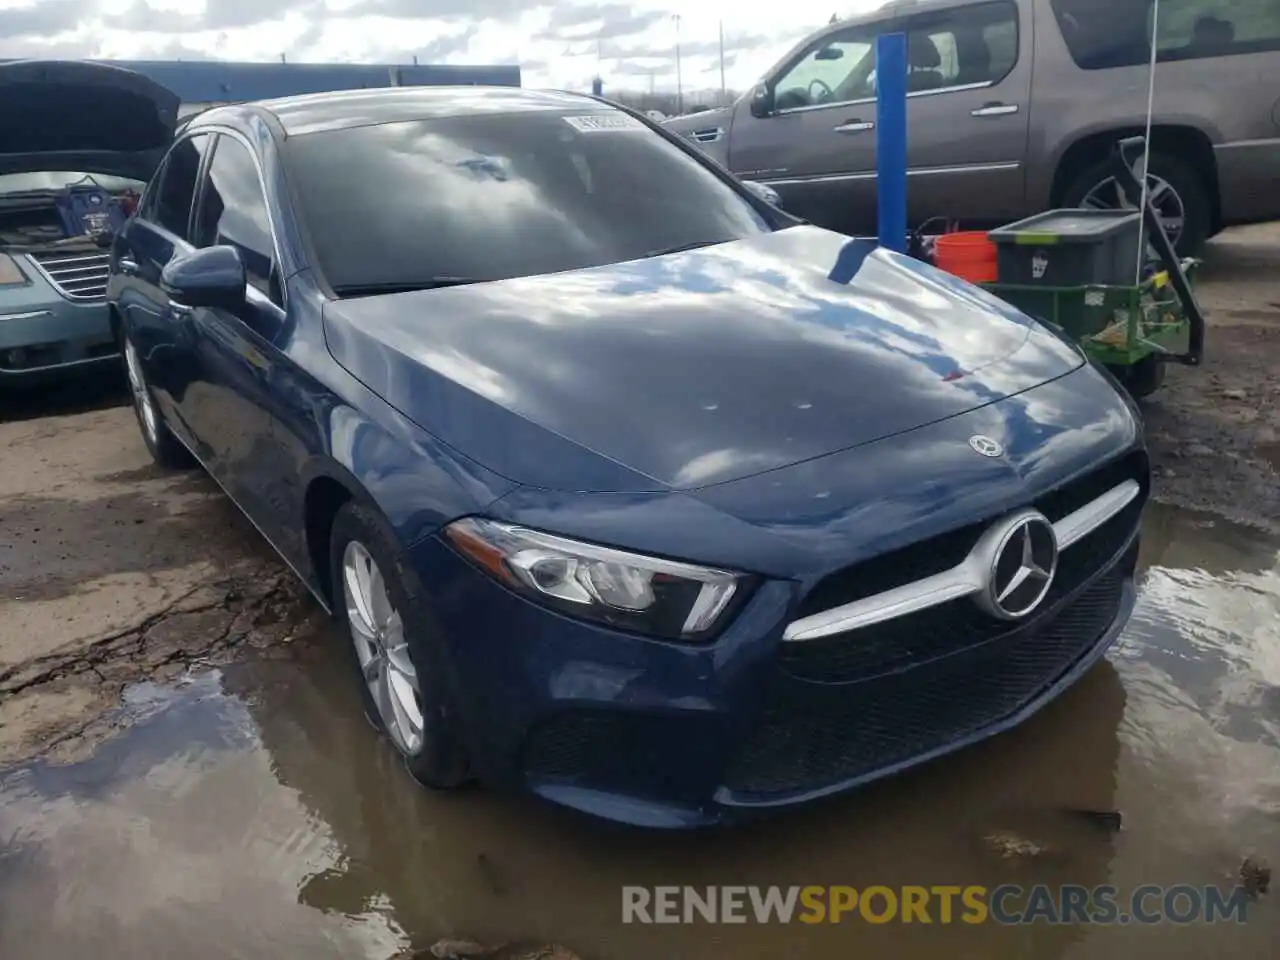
column 150, row 196
column 197, row 197
column 277, row 259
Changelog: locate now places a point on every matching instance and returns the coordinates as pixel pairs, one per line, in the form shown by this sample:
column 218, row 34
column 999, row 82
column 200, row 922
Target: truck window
column 962, row 46
column 1104, row 34
column 836, row 69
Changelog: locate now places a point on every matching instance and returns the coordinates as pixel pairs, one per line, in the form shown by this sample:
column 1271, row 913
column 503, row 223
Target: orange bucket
column 967, row 254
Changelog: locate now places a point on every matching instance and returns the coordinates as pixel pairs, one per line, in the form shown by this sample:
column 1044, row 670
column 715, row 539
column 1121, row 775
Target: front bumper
column 660, row 735
column 45, row 336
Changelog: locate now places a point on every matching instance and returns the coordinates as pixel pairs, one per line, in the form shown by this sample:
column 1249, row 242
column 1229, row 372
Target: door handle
column 995, row 110
column 128, row 267
column 854, row 126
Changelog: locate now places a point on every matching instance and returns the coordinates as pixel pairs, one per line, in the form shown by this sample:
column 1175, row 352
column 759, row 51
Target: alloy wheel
column 1108, row 195
column 377, row 630
column 141, row 395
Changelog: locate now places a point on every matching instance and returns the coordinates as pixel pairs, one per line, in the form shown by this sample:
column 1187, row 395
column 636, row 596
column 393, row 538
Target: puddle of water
column 255, row 815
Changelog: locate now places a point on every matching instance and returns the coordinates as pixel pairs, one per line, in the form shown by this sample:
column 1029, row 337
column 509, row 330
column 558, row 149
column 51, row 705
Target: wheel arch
column 413, row 483
column 1187, row 143
column 327, row 487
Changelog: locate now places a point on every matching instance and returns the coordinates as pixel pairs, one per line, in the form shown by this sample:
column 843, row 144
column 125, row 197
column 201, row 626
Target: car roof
column 318, row 112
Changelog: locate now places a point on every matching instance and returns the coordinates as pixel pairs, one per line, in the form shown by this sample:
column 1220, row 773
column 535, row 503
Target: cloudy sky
column 557, row 42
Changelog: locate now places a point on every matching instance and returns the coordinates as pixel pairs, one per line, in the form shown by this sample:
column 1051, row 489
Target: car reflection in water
column 488, row 867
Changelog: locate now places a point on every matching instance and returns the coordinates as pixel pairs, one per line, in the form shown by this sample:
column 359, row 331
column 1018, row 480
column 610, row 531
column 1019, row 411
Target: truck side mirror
column 762, row 100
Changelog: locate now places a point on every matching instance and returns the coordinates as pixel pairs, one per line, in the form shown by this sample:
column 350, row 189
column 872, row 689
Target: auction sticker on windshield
column 600, row 122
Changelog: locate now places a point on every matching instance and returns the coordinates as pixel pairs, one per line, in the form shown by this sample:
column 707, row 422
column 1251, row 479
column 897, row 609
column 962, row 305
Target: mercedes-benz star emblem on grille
column 1022, row 567
column 986, row 446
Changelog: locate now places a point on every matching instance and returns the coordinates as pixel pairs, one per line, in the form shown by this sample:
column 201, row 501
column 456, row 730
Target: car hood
column 75, row 115
column 694, row 368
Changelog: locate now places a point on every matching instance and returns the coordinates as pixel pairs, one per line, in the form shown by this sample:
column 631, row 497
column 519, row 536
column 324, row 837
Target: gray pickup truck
column 1013, row 106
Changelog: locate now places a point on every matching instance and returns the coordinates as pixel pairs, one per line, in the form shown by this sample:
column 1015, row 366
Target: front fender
column 417, row 483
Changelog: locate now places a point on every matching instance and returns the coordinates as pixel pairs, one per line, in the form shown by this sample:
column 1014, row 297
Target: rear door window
column 1105, row 34
column 962, row 46
column 168, row 202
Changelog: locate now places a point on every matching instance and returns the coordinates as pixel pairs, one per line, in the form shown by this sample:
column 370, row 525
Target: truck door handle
column 995, row 110
column 128, row 267
column 854, row 126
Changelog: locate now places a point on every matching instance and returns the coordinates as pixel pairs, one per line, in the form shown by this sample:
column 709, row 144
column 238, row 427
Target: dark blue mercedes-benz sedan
column 624, row 487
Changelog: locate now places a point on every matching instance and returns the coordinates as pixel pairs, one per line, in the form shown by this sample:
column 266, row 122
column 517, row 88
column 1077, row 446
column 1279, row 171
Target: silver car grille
column 81, row 277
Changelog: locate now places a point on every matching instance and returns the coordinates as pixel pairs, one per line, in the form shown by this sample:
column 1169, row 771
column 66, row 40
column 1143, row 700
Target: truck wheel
column 1179, row 193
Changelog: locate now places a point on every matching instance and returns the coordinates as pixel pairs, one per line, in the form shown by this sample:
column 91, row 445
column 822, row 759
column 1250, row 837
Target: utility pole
column 724, row 97
column 597, row 87
column 679, row 82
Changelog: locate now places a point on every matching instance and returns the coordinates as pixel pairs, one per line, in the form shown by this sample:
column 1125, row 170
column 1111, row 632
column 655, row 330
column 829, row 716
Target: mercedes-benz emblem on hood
column 1022, row 565
column 986, row 446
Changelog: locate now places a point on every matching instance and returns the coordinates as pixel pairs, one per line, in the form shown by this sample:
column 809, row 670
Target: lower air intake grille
column 81, row 277
column 817, row 734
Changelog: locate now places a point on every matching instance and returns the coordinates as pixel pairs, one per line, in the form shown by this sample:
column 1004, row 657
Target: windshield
column 24, row 182
column 490, row 197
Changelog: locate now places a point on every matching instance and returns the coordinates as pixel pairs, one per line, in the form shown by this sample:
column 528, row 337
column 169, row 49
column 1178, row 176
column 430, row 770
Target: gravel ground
column 1215, row 430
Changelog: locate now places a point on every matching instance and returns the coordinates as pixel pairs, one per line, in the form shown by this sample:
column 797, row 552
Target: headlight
column 10, row 274
column 625, row 590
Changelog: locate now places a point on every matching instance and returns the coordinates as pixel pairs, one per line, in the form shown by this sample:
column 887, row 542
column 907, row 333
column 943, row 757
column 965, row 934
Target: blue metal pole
column 891, row 139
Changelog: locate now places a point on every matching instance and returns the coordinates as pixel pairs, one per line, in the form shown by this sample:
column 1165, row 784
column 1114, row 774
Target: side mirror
column 764, row 192
column 762, row 101
column 210, row 277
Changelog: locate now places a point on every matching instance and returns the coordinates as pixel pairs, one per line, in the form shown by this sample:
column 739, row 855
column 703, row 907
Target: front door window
column 838, row 68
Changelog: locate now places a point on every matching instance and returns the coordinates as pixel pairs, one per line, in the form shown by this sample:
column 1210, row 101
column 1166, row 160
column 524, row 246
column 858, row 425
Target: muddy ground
column 113, row 571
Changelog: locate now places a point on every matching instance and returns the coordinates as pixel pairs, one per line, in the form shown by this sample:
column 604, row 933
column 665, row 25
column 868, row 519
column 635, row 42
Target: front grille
column 81, row 277
column 949, row 627
column 813, row 735
column 936, row 554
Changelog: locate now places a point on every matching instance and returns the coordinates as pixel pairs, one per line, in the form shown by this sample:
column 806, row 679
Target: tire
column 165, row 449
column 1142, row 378
column 435, row 758
column 1187, row 184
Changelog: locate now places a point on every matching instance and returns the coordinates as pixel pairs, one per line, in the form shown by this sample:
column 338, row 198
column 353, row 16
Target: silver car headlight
column 630, row 591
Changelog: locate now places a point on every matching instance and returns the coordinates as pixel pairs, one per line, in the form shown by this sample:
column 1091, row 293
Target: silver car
column 77, row 143
column 1013, row 106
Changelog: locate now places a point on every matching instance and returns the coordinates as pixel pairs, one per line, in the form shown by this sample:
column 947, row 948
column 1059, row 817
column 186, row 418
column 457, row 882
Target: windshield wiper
column 682, row 247
column 374, row 289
